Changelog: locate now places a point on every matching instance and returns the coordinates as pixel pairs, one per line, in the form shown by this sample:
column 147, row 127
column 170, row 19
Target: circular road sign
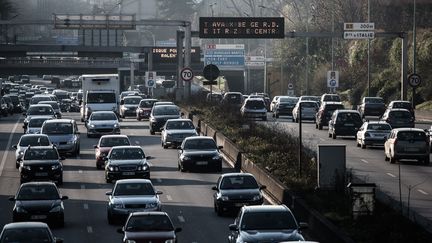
column 186, row 74
column 290, row 86
column 414, row 80
column 211, row 72
column 150, row 83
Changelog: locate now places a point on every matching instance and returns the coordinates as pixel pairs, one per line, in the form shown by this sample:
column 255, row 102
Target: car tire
column 108, row 180
column 164, row 146
column 426, row 160
column 139, row 118
column 386, row 158
column 89, row 135
column 218, row 210
column 17, row 165
column 152, row 132
column 60, row 181
column 110, row 218
column 363, row 145
column 320, row 127
column 181, row 168
column 273, row 115
column 358, row 144
column 219, row 167
column 392, row 160
column 60, row 222
column 329, row 135
column 334, row 135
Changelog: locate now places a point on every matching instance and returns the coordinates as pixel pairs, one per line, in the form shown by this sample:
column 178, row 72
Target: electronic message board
column 169, row 54
column 241, row 27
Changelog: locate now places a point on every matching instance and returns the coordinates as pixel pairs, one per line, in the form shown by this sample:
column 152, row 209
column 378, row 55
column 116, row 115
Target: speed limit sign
column 414, row 80
column 186, row 74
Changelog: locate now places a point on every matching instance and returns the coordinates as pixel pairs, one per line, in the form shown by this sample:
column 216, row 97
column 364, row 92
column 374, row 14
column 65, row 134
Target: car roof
column 132, row 97
column 42, row 147
column 126, row 146
column 398, row 109
column 347, row 111
column 400, row 101
column 114, row 136
column 39, row 183
column 25, row 225
column 266, row 208
column 148, row 213
column 237, row 174
column 179, row 120
column 199, row 137
column 124, row 181
column 40, row 105
column 405, row 129
column 332, row 103
column 60, row 121
column 98, row 112
column 40, row 117
column 377, row 122
column 34, row 135
column 254, row 99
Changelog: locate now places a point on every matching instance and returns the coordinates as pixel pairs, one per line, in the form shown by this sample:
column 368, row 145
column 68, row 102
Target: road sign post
column 414, row 80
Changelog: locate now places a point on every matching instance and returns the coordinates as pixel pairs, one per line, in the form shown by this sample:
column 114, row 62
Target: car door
column 234, row 234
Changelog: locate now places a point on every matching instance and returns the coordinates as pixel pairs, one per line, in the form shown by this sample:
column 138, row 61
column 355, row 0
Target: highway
column 369, row 165
column 187, row 197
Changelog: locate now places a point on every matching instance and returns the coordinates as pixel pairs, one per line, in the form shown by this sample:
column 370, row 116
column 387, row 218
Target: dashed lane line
column 365, row 161
column 89, row 229
column 390, row 174
column 181, row 219
column 3, row 161
column 422, row 192
column 86, row 206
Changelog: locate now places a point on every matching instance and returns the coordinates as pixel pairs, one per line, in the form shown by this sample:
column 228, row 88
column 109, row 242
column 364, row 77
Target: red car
column 106, row 142
column 149, row 227
column 144, row 108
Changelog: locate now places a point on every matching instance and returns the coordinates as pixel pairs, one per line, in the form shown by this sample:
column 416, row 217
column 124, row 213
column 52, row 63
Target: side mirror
column 15, row 146
column 12, row 199
column 178, row 229
column 214, row 188
column 109, row 193
column 233, row 227
column 149, row 157
column 159, row 192
column 220, row 147
column 263, row 187
column 65, row 198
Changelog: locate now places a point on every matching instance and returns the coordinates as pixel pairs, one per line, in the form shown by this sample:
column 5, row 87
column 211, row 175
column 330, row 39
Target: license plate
column 41, row 173
column 349, row 124
column 128, row 173
column 201, row 162
column 240, row 204
column 35, row 217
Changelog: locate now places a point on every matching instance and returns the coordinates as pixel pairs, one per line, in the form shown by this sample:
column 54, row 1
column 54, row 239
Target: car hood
column 181, row 131
column 138, row 199
column 40, row 162
column 125, row 162
column 38, row 205
column 105, row 123
column 240, row 192
column 192, row 152
column 166, row 117
column 150, row 235
column 56, row 138
column 270, row 235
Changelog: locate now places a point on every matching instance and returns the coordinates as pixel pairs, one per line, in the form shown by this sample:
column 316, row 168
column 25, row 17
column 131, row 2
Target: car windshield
column 287, row 100
column 36, row 100
column 233, row 98
column 127, row 153
column 379, row 127
column 62, row 95
column 133, row 189
column 14, row 99
column 40, row 154
column 26, row 235
column 186, row 125
column 34, row 141
column 149, row 223
column 331, row 98
column 111, row 142
column 347, row 117
column 40, row 110
column 255, row 104
column 309, row 105
column 239, row 182
column 36, row 122
column 38, row 192
column 165, row 110
column 200, row 144
column 411, row 136
column 268, row 221
column 103, row 116
column 101, row 98
column 132, row 101
column 146, row 104
column 374, row 100
column 57, row 128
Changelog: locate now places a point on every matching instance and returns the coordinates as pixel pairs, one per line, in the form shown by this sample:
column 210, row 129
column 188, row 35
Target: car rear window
column 400, row 114
column 402, row 105
column 34, row 141
column 374, row 100
column 309, row 105
column 111, row 142
column 382, row 127
column 348, row 117
column 57, row 128
column 334, row 107
column 331, row 98
column 277, row 220
column 255, row 104
column 41, row 154
column 411, row 136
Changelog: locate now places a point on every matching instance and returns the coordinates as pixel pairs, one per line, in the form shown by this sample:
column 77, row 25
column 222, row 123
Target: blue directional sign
column 150, row 83
column 225, row 56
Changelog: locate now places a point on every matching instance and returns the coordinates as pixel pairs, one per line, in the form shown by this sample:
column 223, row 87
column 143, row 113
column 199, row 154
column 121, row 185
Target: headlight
column 130, row 241
column 152, row 119
column 116, row 125
column 184, row 157
column 113, row 168
column 118, row 205
column 20, row 210
column 21, row 153
column 224, row 198
column 92, row 126
column 26, row 167
column 56, row 209
column 143, row 167
column 169, row 241
column 141, row 111
column 152, row 205
column 55, row 167
column 71, row 141
column 216, row 157
column 257, row 197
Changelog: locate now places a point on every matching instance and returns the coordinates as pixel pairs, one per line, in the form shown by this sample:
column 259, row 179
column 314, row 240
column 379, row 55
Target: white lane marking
column 181, row 219
column 390, row 174
column 322, row 139
column 169, row 198
column 365, row 161
column 422, row 192
column 137, row 142
column 80, row 171
column 89, row 229
column 86, row 206
column 82, row 187
column 159, row 180
column 3, row 161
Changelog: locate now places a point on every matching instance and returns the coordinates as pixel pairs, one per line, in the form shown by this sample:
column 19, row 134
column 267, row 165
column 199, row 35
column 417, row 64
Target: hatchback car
column 325, row 113
column 308, row 110
column 403, row 104
column 254, row 108
column 265, row 223
column 64, row 134
column 28, row 232
column 407, row 143
column 41, row 163
column 398, row 118
column 102, row 123
column 284, row 106
column 149, row 227
column 35, row 124
column 35, row 99
column 106, row 142
column 144, row 108
column 126, row 162
column 131, row 195
column 176, row 130
column 199, row 152
column 160, row 114
column 38, row 110
column 235, row 190
column 373, row 133
column 232, row 99
column 129, row 105
column 39, row 201
column 372, row 106
column 330, row 97
column 344, row 123
column 55, row 107
column 27, row 140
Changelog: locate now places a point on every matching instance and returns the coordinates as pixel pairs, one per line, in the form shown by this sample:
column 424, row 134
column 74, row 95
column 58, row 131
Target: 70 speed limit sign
column 414, row 80
column 186, row 74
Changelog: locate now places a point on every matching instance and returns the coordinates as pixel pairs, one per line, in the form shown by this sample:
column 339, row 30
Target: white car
column 176, row 130
column 373, row 133
column 254, row 108
column 29, row 140
column 308, row 110
column 35, row 124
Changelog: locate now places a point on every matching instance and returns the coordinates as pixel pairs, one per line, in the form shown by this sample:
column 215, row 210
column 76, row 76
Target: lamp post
column 414, row 48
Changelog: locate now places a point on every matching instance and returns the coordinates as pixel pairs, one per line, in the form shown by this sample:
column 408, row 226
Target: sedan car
column 126, row 162
column 176, row 130
column 129, row 105
column 27, row 140
column 144, row 108
column 64, row 134
column 235, row 190
column 106, row 142
column 35, row 124
column 131, row 195
column 265, row 223
column 101, row 123
column 39, row 201
column 373, row 133
column 199, row 152
column 407, row 143
column 28, row 232
column 149, row 227
column 160, row 114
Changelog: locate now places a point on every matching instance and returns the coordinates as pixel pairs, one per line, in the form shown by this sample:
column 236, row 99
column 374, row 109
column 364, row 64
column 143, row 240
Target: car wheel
column 152, row 132
column 164, row 146
column 273, row 115
column 217, row 210
column 329, row 135
column 108, row 180
column 219, row 167
column 60, row 222
column 358, row 144
column 363, row 145
column 110, row 219
column 320, row 127
column 60, row 181
column 181, row 168
column 89, row 135
column 334, row 135
column 386, row 158
column 139, row 118
column 426, row 160
column 392, row 160
column 17, row 164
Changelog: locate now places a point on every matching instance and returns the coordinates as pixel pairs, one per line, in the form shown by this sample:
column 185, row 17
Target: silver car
column 254, row 108
column 64, row 134
column 176, row 130
column 131, row 195
column 35, row 124
column 55, row 107
column 128, row 105
column 308, row 110
column 102, row 123
column 38, row 110
column 407, row 143
column 373, row 133
column 29, row 140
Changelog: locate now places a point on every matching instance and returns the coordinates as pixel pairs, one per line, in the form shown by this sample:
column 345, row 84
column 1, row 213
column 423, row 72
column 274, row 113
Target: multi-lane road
column 187, row 197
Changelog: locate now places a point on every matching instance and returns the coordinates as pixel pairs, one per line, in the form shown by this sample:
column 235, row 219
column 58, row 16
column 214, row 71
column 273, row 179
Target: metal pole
column 300, row 139
column 307, row 54
column 368, row 54
column 265, row 66
column 414, row 49
column 132, row 74
column 404, row 66
column 187, row 56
